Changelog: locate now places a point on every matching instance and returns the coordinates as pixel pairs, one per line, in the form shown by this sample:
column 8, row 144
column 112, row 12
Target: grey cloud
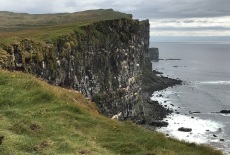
column 184, row 8
column 70, row 4
column 219, row 28
column 139, row 8
column 189, row 21
column 185, row 21
column 189, row 38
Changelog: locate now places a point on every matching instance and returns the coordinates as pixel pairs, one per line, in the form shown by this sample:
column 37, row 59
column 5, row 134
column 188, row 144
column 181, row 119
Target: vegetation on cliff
column 22, row 21
column 17, row 26
column 38, row 118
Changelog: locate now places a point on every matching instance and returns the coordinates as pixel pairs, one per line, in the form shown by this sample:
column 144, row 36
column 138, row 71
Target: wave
column 202, row 130
column 214, row 82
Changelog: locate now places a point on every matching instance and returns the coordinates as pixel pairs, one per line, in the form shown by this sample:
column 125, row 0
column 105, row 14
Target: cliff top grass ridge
column 17, row 26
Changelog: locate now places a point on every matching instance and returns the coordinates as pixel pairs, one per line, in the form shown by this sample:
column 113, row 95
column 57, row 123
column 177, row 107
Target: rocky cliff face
column 103, row 60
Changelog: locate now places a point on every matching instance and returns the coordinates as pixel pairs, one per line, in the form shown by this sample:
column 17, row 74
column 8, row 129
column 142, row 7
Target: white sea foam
column 202, row 130
column 163, row 98
column 214, row 82
column 225, row 115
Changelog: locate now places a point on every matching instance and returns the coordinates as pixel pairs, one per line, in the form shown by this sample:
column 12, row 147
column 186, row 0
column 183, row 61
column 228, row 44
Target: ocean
column 205, row 69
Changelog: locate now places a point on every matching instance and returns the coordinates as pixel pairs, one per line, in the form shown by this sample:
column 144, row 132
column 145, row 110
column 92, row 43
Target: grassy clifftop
column 37, row 118
column 20, row 21
column 17, row 26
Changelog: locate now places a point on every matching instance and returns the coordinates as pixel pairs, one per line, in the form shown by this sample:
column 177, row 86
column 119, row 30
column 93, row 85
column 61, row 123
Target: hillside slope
column 15, row 27
column 38, row 118
column 22, row 21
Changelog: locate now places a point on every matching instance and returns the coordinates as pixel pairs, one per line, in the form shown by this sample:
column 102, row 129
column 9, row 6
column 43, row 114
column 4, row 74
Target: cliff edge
column 106, row 60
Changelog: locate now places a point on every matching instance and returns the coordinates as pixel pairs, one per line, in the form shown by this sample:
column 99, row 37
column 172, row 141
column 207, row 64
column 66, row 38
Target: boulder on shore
column 159, row 123
column 225, row 111
column 185, row 129
column 194, row 112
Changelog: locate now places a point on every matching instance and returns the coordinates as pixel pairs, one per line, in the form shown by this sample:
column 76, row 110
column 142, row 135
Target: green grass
column 20, row 21
column 46, row 33
column 17, row 26
column 38, row 118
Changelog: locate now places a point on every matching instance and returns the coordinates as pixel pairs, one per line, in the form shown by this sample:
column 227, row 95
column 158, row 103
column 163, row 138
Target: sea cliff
column 107, row 61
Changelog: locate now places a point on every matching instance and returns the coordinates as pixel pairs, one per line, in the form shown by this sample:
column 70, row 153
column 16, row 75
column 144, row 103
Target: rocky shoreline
column 154, row 112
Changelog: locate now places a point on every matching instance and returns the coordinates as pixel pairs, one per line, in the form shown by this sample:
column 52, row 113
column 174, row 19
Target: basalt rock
column 225, row 111
column 154, row 54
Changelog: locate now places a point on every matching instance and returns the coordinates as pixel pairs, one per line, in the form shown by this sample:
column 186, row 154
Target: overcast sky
column 171, row 20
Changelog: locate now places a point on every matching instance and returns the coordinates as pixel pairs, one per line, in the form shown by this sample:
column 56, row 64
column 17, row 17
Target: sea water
column 205, row 70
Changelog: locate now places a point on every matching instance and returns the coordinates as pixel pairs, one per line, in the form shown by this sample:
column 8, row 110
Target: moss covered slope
column 37, row 118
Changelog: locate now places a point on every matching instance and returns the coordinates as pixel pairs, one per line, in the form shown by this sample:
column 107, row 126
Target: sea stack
column 154, row 54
